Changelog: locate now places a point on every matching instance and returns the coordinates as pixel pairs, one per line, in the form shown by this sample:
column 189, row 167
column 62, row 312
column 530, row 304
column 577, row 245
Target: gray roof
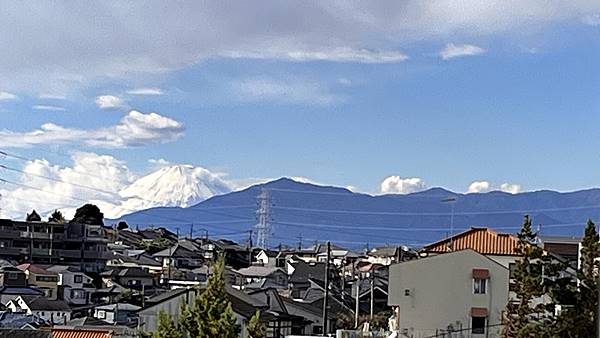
column 258, row 271
column 42, row 303
column 19, row 333
column 87, row 321
column 120, row 306
column 17, row 320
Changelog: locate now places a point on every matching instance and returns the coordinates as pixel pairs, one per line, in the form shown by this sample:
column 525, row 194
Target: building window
column 478, row 325
column 511, row 269
column 101, row 314
column 78, row 279
column 479, row 286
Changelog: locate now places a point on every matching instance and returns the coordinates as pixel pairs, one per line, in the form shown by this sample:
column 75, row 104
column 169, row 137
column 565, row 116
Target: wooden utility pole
column 326, row 299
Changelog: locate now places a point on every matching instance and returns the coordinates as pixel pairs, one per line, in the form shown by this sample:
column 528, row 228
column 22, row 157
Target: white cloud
column 5, row 96
column 479, row 187
column 591, row 19
column 399, row 185
column 453, row 51
column 510, row 188
column 81, row 50
column 134, row 129
column 292, row 91
column 48, row 107
column 145, row 91
column 102, row 175
column 344, row 54
column 110, row 102
column 159, row 163
column 52, row 96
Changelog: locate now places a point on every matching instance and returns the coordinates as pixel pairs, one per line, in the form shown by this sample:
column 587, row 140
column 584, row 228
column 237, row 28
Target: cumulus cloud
column 510, row 188
column 110, row 102
column 48, row 107
column 80, row 50
column 479, row 187
column 91, row 177
column 5, row 96
column 134, row 129
column 453, row 51
column 293, row 91
column 399, row 185
column 159, row 163
column 145, row 91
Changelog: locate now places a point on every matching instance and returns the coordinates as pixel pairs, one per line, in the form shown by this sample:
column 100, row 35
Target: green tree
column 166, row 327
column 57, row 217
column 211, row 315
column 88, row 214
column 33, row 217
column 122, row 225
column 255, row 328
column 155, row 245
column 522, row 317
column 587, row 300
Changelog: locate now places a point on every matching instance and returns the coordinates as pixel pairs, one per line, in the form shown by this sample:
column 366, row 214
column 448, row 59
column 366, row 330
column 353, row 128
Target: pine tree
column 588, row 277
column 166, row 327
column 255, row 327
column 527, row 285
column 57, row 217
column 211, row 315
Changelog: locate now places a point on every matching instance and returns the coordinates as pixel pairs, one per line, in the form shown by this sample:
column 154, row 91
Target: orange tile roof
column 80, row 333
column 482, row 240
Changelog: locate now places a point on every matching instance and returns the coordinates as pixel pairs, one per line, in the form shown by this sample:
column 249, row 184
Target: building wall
column 149, row 316
column 437, row 291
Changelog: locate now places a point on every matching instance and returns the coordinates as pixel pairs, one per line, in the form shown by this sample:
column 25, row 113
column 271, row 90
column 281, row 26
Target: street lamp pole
column 452, row 201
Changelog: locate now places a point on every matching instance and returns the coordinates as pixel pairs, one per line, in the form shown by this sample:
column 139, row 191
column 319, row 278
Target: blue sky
column 444, row 93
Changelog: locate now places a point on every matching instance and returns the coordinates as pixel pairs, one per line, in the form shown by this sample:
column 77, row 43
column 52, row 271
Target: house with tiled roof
column 460, row 291
column 498, row 246
column 46, row 281
column 52, row 311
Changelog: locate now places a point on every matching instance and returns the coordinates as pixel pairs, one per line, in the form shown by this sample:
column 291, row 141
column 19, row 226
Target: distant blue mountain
column 308, row 213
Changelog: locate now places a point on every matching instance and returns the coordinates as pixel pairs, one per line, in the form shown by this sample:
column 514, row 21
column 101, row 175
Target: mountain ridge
column 316, row 212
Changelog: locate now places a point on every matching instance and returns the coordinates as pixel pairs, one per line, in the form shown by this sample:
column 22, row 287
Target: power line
column 464, row 213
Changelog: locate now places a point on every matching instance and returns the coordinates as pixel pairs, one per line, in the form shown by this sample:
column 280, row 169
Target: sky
column 379, row 97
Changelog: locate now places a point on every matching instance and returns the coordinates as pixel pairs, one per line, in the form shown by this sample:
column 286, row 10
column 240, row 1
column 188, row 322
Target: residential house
column 269, row 258
column 74, row 286
column 101, row 331
column 170, row 302
column 142, row 261
column 44, row 280
column 118, row 313
column 13, row 283
column 301, row 273
column 260, row 277
column 566, row 247
column 184, row 254
column 52, row 311
column 461, row 291
column 20, row 320
column 133, row 278
column 496, row 246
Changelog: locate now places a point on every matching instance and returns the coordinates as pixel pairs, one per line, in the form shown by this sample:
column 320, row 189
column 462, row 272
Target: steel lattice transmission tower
column 263, row 217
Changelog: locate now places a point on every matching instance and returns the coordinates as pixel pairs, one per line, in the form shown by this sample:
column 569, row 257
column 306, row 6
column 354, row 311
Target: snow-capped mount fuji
column 178, row 185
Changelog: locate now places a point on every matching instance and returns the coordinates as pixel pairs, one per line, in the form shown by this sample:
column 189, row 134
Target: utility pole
column 372, row 286
column 191, row 231
column 326, row 299
column 357, row 297
column 451, row 200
